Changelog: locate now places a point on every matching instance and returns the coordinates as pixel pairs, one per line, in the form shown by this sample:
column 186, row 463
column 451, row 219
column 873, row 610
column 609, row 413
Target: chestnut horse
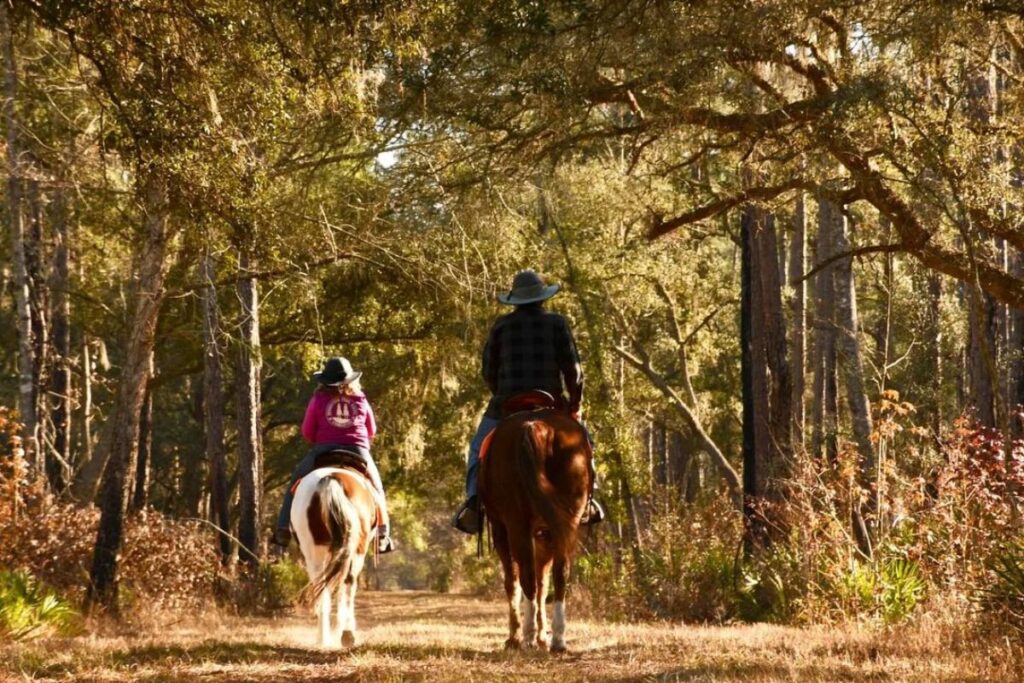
column 534, row 482
column 334, row 516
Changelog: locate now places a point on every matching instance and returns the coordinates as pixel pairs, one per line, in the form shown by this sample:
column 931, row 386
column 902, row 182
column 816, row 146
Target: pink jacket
column 344, row 419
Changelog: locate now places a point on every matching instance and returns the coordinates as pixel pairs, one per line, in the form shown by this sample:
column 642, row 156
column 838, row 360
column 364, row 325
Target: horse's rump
column 536, row 475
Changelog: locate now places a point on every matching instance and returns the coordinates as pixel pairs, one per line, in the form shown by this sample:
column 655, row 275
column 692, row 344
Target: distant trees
column 732, row 198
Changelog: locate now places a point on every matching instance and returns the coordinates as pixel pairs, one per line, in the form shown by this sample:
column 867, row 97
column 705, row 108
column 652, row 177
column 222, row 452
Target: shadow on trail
column 225, row 652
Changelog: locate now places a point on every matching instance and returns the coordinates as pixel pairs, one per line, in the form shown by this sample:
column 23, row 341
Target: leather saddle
column 345, row 459
column 530, row 400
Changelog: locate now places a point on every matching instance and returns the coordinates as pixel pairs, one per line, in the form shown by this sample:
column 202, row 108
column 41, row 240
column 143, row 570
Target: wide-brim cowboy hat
column 527, row 288
column 337, row 372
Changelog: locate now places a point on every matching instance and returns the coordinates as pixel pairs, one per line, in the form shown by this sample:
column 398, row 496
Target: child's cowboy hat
column 337, row 372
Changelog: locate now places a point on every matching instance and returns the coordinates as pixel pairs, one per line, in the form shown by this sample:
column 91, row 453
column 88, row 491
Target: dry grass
column 429, row 637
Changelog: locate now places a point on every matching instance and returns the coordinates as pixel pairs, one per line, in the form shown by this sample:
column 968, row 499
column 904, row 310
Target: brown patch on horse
column 315, row 518
column 359, row 495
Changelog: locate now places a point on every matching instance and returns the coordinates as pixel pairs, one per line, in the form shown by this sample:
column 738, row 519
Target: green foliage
column 27, row 608
column 902, row 589
column 1003, row 596
column 770, row 588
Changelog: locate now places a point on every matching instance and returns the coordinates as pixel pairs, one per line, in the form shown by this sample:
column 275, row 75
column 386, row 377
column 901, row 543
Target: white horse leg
column 558, row 628
column 324, row 611
column 530, row 623
column 343, row 610
column 542, row 617
column 348, row 633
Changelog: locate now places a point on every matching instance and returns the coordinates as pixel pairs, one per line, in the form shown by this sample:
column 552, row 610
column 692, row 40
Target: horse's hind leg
column 347, row 616
column 512, row 591
column 523, row 553
column 561, row 572
column 543, row 570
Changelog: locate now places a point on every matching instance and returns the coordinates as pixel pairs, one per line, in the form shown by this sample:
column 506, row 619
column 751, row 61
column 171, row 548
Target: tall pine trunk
column 824, row 407
column 213, row 409
column 767, row 399
column 40, row 309
column 852, row 362
column 122, row 429
column 60, row 382
column 250, row 442
column 798, row 351
column 26, row 350
column 144, row 459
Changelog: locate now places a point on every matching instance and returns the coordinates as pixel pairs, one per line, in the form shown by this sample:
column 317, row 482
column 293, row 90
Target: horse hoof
column 348, row 639
column 557, row 648
column 513, row 644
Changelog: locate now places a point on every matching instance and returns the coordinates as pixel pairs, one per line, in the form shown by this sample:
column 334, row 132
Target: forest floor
column 431, row 637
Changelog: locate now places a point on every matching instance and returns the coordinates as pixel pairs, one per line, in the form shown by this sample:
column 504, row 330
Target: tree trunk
column 250, row 446
column 848, row 344
column 824, row 408
column 40, row 308
column 87, row 369
column 60, row 383
column 213, row 409
column 982, row 315
column 798, row 351
column 935, row 349
column 26, row 355
column 755, row 532
column 767, row 401
column 121, row 433
column 981, row 347
column 144, row 459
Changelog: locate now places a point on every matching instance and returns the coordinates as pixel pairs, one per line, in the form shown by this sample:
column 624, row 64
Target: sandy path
column 423, row 636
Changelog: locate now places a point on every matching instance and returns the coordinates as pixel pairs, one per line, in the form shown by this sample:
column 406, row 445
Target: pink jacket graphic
column 344, row 419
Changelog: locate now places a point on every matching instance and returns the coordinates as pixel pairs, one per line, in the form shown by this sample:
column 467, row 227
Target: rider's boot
column 282, row 536
column 467, row 518
column 593, row 514
column 385, row 544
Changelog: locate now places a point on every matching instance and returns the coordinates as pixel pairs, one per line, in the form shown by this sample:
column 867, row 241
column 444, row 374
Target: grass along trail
column 431, row 637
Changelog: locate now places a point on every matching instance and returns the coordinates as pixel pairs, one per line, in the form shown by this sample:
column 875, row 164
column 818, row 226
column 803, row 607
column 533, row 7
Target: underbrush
column 947, row 528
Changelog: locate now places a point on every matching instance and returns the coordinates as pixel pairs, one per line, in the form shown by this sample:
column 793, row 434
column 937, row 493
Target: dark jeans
column 308, row 464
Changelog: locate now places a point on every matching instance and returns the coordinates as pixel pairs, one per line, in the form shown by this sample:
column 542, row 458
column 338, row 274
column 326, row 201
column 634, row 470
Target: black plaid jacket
column 531, row 348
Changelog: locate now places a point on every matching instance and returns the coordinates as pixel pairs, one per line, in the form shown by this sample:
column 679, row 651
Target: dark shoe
column 282, row 536
column 467, row 518
column 593, row 514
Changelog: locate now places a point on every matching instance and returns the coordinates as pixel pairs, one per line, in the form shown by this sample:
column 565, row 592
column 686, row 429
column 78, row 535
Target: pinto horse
column 334, row 516
column 534, row 481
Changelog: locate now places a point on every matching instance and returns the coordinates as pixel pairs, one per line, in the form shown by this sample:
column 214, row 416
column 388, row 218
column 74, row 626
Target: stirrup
column 467, row 518
column 593, row 514
column 385, row 544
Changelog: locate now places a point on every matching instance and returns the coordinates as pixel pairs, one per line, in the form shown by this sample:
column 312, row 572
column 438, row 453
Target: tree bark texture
column 22, row 296
column 144, row 459
column 250, row 442
column 852, row 362
column 798, row 348
column 213, row 408
column 60, row 382
column 824, row 406
column 121, row 433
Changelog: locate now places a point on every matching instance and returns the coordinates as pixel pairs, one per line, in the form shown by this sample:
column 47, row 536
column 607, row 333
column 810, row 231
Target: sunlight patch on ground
column 430, row 637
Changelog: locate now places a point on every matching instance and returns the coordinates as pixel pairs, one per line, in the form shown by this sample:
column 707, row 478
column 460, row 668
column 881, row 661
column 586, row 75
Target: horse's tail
column 341, row 519
column 560, row 527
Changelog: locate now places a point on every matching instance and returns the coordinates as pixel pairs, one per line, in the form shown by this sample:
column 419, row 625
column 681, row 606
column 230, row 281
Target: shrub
column 27, row 608
column 1004, row 596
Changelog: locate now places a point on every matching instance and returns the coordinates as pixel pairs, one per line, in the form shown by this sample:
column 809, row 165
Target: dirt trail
column 424, row 636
